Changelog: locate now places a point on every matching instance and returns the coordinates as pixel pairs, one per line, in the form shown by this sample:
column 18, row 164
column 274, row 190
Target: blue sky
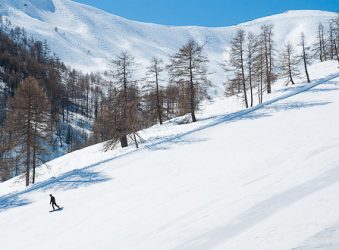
column 205, row 12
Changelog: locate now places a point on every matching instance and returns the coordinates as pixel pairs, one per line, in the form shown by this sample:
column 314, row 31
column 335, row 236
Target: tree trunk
column 290, row 72
column 123, row 141
column 243, row 78
column 320, row 46
column 158, row 99
column 306, row 71
column 267, row 70
column 135, row 141
column 250, row 82
column 192, row 93
column 331, row 43
column 123, row 138
column 305, row 62
column 28, row 158
column 28, row 149
column 336, row 50
column 34, row 163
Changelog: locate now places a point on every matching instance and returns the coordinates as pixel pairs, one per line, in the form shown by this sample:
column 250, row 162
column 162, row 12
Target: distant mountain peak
column 86, row 38
column 33, row 8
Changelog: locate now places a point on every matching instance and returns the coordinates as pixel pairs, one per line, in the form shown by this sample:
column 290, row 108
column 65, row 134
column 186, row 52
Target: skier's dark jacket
column 52, row 200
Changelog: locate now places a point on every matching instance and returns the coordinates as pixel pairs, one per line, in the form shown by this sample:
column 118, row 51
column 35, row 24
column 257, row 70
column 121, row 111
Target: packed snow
column 266, row 177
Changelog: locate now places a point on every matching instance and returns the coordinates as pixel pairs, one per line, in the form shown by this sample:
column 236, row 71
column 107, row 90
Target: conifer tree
column 237, row 61
column 289, row 64
column 305, row 56
column 153, row 80
column 123, row 101
column 266, row 37
column 29, row 124
column 188, row 69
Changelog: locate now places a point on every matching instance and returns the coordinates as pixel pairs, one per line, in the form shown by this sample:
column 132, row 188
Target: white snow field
column 87, row 38
column 263, row 178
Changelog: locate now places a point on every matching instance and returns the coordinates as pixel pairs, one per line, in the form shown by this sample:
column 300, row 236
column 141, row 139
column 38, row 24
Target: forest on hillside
column 48, row 109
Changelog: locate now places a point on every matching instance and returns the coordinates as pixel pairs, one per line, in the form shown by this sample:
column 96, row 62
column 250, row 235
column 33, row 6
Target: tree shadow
column 79, row 178
column 71, row 180
column 312, row 90
column 292, row 88
column 7, row 202
column 277, row 107
column 325, row 239
column 319, row 90
column 266, row 111
column 262, row 210
column 179, row 140
column 257, row 112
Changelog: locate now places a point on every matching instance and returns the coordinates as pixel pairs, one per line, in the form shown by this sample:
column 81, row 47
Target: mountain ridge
column 86, row 38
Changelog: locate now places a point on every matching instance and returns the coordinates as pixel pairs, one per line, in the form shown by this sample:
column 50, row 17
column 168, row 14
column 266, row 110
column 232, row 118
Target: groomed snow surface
column 267, row 178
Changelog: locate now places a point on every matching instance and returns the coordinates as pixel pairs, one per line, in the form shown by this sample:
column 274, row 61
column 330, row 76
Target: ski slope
column 87, row 38
column 266, row 177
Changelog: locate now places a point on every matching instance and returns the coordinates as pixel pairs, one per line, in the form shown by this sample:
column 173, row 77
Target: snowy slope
column 86, row 37
column 266, row 177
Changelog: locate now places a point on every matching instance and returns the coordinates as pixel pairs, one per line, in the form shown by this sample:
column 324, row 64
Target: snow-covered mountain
column 86, row 38
column 261, row 178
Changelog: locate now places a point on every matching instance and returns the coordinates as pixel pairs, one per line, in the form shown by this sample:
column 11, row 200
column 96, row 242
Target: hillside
column 267, row 176
column 86, row 38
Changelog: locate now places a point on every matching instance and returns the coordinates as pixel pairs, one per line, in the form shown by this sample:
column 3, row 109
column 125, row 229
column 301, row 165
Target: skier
column 53, row 203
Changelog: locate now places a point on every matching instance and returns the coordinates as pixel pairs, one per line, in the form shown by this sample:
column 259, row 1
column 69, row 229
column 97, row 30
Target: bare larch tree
column 267, row 40
column 29, row 123
column 188, row 69
column 237, row 61
column 123, row 100
column 305, row 56
column 289, row 64
column 153, row 80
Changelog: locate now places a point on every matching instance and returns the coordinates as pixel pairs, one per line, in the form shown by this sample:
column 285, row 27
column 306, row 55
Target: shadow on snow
column 261, row 211
column 84, row 177
column 71, row 180
column 248, row 114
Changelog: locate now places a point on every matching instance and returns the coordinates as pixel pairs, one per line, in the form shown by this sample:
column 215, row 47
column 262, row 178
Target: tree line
column 46, row 106
column 253, row 65
column 254, row 62
column 129, row 106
